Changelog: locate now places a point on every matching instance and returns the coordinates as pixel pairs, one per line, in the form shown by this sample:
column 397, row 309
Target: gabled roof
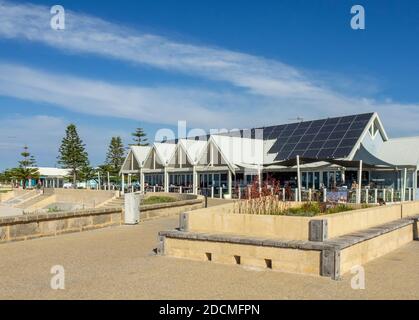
column 240, row 151
column 193, row 149
column 165, row 151
column 141, row 153
column 331, row 138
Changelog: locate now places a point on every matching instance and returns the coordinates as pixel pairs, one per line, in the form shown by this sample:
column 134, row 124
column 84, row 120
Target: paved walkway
column 118, row 263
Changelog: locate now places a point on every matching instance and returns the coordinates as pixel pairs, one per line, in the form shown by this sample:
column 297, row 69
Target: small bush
column 54, row 209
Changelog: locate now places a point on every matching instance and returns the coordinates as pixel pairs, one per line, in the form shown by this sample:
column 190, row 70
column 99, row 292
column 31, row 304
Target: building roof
column 141, row 153
column 400, row 151
column 53, row 172
column 193, row 149
column 165, row 151
column 240, row 151
column 337, row 139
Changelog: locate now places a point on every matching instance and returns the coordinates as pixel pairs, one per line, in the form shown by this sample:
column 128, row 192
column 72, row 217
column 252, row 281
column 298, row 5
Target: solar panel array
column 319, row 139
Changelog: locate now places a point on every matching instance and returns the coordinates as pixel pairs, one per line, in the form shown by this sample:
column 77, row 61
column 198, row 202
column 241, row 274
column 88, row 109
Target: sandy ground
column 118, row 263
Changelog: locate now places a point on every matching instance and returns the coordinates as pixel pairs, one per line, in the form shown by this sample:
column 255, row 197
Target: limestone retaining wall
column 44, row 225
column 159, row 210
column 369, row 250
column 279, row 259
column 222, row 219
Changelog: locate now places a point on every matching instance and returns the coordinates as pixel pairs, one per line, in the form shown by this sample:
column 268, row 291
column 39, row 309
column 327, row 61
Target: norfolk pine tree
column 73, row 155
column 140, row 138
column 115, row 156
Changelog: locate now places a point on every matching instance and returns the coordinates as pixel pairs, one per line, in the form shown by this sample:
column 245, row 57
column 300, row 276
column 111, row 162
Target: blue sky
column 216, row 64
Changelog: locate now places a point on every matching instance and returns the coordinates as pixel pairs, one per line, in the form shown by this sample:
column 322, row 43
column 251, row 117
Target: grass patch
column 158, row 199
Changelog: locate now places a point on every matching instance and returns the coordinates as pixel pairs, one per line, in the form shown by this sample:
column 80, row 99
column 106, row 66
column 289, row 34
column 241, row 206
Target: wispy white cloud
column 156, row 105
column 89, row 34
column 258, row 90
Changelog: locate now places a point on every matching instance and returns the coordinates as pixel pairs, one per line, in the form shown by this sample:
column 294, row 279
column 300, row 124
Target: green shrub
column 158, row 199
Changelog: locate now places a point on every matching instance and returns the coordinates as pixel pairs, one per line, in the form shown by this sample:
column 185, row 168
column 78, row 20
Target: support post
column 142, row 182
column 230, row 182
column 123, row 184
column 260, row 180
column 298, row 196
column 358, row 193
column 404, row 185
column 194, row 181
column 166, row 180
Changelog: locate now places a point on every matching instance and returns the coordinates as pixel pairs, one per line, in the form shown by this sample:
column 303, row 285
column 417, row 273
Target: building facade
column 351, row 152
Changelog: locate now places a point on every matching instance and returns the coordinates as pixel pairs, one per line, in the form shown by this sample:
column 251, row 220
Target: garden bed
column 272, row 206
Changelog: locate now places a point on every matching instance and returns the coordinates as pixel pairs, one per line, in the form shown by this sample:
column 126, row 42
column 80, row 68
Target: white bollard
column 180, row 189
column 240, row 193
column 154, row 189
column 132, row 208
column 366, row 196
column 384, row 195
column 375, row 196
column 392, row 195
column 221, row 192
column 212, row 192
column 296, row 195
column 309, row 194
column 324, row 195
column 283, row 194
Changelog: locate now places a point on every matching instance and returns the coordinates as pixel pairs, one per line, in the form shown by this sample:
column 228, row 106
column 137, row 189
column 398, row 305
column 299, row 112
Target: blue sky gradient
column 212, row 63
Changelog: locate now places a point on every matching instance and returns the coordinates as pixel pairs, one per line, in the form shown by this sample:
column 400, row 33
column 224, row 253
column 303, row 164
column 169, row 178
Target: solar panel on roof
column 324, row 138
column 308, row 138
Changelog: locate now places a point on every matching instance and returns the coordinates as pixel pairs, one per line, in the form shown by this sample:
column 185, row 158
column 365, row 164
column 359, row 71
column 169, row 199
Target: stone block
column 318, row 230
column 183, row 221
column 23, row 230
column 101, row 219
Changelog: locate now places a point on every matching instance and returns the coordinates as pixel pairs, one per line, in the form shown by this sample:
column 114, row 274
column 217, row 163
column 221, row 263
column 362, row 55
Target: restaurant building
column 351, row 154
